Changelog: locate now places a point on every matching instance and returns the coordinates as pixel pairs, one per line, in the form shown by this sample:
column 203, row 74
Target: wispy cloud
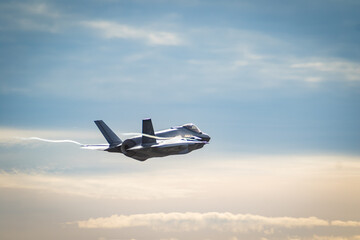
column 345, row 223
column 246, row 58
column 323, row 70
column 110, row 29
column 36, row 16
column 127, row 186
column 46, row 18
column 235, row 60
column 40, row 9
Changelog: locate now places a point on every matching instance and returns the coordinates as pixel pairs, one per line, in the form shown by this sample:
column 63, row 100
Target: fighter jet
column 176, row 140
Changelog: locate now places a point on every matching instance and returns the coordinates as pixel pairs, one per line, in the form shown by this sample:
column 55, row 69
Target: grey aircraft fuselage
column 176, row 140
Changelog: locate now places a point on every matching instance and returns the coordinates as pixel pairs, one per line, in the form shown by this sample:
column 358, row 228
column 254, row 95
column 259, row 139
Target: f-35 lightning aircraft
column 176, row 140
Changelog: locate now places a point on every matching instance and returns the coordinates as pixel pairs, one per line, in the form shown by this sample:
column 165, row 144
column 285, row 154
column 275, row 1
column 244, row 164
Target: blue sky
column 274, row 82
column 284, row 76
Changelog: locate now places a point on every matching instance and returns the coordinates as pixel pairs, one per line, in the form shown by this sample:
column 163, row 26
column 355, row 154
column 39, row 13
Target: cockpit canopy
column 192, row 127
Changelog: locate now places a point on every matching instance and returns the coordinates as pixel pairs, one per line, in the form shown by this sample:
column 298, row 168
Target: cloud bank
column 127, row 186
column 217, row 221
column 173, row 180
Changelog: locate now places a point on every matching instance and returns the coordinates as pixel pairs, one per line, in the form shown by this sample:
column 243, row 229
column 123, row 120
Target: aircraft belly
column 148, row 152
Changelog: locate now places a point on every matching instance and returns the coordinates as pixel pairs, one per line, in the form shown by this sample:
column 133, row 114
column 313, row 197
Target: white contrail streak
column 83, row 146
column 52, row 141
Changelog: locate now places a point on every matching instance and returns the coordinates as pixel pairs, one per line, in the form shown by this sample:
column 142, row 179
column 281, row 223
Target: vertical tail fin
column 147, row 128
column 109, row 135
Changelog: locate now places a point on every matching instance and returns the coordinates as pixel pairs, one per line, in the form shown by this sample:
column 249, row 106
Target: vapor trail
column 52, row 141
column 83, row 146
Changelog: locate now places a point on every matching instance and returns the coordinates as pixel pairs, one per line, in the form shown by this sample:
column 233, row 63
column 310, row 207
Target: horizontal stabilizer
column 109, row 135
column 147, row 129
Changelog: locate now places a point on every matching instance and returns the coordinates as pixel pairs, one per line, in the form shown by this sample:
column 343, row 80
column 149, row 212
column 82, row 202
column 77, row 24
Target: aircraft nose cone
column 206, row 138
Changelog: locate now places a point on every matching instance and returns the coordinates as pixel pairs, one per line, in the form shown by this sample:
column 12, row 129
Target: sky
column 276, row 86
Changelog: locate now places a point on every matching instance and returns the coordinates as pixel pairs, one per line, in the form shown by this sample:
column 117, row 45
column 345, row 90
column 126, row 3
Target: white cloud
column 313, row 79
column 192, row 221
column 280, row 183
column 46, row 18
column 40, row 9
column 248, row 62
column 110, row 29
column 316, row 237
column 344, row 69
column 127, row 186
column 175, row 180
column 32, row 17
column 34, row 25
column 345, row 223
column 248, row 66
